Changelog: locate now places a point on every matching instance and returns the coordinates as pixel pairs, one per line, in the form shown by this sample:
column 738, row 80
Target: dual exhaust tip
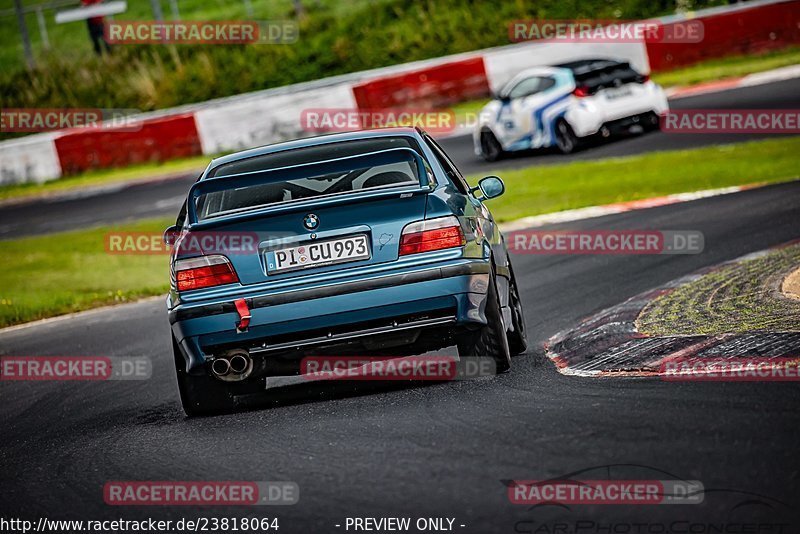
column 232, row 365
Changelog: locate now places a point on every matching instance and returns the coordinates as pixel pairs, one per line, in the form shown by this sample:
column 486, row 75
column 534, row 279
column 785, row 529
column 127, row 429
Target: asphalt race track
column 163, row 198
column 437, row 450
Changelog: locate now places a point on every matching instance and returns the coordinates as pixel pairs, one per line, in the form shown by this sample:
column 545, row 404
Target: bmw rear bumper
column 448, row 294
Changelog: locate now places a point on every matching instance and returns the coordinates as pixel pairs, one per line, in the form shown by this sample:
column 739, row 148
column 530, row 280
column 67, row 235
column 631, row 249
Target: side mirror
column 499, row 96
column 491, row 187
column 171, row 235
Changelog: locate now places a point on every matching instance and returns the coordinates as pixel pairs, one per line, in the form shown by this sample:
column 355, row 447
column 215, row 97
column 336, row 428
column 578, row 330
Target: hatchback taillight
column 433, row 234
column 205, row 271
column 581, row 91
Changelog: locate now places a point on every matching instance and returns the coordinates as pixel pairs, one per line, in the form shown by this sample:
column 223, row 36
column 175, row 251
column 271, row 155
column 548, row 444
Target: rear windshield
column 314, row 153
column 357, row 178
column 604, row 74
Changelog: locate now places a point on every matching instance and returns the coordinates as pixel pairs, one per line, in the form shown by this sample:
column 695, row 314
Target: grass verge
column 737, row 298
column 549, row 188
column 729, row 67
column 67, row 272
column 71, row 271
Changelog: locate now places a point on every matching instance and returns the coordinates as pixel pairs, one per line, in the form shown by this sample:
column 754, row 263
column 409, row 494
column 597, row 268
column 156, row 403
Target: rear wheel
column 490, row 339
column 652, row 122
column 491, row 149
column 566, row 140
column 200, row 394
column 518, row 338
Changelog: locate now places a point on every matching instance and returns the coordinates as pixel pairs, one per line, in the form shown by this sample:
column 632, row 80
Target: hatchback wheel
column 518, row 338
column 490, row 339
column 566, row 140
column 491, row 149
column 652, row 122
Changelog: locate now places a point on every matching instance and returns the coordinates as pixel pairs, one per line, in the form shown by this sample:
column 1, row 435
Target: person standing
column 97, row 26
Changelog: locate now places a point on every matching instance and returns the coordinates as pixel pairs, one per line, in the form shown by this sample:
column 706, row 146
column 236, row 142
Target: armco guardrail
column 254, row 119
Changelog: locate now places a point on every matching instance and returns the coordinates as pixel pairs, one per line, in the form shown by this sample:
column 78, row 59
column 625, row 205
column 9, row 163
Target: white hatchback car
column 560, row 105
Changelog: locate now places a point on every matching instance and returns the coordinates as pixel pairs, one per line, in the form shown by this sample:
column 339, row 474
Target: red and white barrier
column 432, row 87
column 30, row 159
column 270, row 116
column 157, row 140
column 238, row 125
column 738, row 29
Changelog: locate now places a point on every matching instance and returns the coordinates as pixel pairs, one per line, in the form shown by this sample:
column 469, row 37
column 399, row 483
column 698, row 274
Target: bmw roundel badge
column 311, row 221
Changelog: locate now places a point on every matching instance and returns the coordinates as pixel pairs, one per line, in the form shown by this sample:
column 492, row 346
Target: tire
column 653, row 123
column 489, row 340
column 200, row 394
column 491, row 149
column 566, row 140
column 518, row 338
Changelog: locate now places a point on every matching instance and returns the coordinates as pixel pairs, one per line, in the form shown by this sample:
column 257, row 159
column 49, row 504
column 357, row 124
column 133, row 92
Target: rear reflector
column 433, row 234
column 205, row 271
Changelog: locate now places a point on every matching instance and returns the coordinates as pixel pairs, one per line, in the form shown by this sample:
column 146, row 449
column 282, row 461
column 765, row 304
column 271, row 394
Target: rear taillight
column 581, row 91
column 205, row 271
column 433, row 234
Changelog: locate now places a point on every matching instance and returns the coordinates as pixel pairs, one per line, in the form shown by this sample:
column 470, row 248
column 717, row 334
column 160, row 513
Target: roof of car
column 311, row 141
column 536, row 71
column 587, row 65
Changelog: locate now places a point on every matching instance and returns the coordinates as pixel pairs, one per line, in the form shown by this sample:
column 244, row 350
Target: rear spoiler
column 591, row 73
column 303, row 170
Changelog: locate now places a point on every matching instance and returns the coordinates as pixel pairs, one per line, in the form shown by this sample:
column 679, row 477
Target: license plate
column 612, row 94
column 328, row 252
